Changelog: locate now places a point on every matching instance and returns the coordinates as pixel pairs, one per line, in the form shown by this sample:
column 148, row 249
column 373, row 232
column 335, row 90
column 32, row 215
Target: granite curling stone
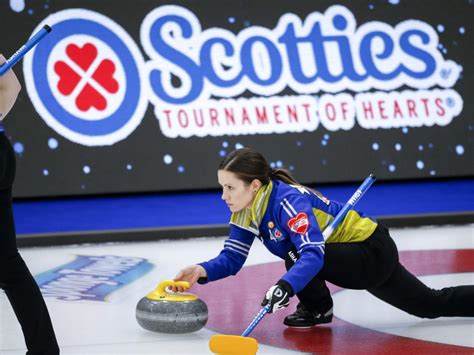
column 173, row 313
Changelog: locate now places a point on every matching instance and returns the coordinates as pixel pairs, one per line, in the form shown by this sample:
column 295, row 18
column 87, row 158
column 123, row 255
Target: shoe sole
column 306, row 326
column 301, row 328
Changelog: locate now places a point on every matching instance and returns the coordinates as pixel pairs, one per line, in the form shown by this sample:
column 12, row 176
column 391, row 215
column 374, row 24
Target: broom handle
column 349, row 204
column 38, row 36
column 256, row 320
column 327, row 232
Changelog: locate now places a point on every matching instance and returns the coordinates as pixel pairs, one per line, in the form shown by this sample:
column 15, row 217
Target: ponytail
column 248, row 164
column 283, row 175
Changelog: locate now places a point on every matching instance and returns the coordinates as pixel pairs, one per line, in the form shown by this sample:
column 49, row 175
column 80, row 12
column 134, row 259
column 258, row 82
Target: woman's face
column 235, row 192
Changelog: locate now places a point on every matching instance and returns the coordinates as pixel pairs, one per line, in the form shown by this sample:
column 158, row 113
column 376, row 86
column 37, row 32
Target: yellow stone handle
column 160, row 292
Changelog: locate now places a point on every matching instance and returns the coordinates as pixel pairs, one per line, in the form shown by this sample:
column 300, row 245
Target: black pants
column 15, row 278
column 373, row 265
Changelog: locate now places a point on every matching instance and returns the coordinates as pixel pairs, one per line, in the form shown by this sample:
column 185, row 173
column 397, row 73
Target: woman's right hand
column 191, row 274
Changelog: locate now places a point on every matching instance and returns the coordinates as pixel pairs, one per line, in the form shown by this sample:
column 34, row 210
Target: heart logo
column 104, row 75
column 299, row 224
column 68, row 78
column 82, row 56
column 89, row 97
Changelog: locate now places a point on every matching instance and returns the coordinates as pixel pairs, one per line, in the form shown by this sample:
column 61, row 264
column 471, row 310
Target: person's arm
column 228, row 262
column 297, row 219
column 9, row 89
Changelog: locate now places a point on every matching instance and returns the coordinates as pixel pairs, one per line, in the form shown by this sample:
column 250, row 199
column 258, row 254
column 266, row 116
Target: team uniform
column 15, row 278
column 359, row 254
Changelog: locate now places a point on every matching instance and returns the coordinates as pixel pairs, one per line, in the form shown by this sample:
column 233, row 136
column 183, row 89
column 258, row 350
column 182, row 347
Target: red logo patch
column 299, row 224
column 103, row 75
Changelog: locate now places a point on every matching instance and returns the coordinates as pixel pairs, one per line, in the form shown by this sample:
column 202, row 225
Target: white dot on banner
column 231, row 19
column 462, row 30
column 392, row 168
column 326, row 136
column 168, row 159
column 52, row 143
column 272, row 165
column 45, row 172
column 291, row 167
column 420, row 148
column 432, row 172
column 17, row 5
column 238, row 146
column 181, row 169
column 279, row 164
column 86, row 169
column 420, row 165
column 129, row 167
column 375, row 146
column 405, row 130
column 18, row 147
column 398, row 147
column 394, row 2
column 222, row 153
column 459, row 149
column 225, row 144
column 440, row 28
column 323, row 142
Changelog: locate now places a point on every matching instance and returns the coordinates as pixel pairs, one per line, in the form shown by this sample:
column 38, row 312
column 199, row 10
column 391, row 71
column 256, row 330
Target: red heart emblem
column 299, row 224
column 104, row 75
column 68, row 78
column 90, row 97
column 82, row 56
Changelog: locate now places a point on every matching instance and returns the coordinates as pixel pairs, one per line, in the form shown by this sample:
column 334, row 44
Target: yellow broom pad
column 233, row 345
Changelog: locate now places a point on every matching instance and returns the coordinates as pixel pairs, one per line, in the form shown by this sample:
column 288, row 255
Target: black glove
column 278, row 296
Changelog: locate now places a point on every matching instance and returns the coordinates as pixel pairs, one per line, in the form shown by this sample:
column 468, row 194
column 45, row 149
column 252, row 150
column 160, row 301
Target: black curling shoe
column 304, row 318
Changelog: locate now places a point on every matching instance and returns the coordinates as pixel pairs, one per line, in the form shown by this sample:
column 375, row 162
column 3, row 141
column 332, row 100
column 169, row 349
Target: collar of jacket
column 250, row 219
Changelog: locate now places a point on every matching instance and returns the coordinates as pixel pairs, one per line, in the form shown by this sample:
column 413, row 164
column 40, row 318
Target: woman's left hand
column 278, row 296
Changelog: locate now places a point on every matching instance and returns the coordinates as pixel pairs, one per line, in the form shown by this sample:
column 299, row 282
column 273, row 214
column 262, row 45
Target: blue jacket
column 287, row 218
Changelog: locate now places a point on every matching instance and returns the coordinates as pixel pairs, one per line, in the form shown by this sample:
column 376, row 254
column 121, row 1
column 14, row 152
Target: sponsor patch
column 299, row 224
column 275, row 235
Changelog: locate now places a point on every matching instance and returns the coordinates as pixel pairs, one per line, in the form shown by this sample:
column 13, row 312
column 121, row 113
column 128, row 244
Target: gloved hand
column 278, row 296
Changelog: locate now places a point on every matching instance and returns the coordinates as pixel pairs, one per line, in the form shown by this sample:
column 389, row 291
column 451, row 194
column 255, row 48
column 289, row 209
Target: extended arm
column 228, row 262
column 9, row 89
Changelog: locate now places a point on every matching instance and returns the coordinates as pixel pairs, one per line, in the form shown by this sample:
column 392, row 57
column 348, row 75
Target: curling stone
column 173, row 313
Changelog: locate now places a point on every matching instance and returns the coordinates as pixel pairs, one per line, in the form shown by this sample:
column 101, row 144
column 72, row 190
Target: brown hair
column 248, row 164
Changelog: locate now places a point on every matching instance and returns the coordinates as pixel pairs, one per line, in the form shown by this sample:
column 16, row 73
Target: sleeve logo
column 299, row 224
